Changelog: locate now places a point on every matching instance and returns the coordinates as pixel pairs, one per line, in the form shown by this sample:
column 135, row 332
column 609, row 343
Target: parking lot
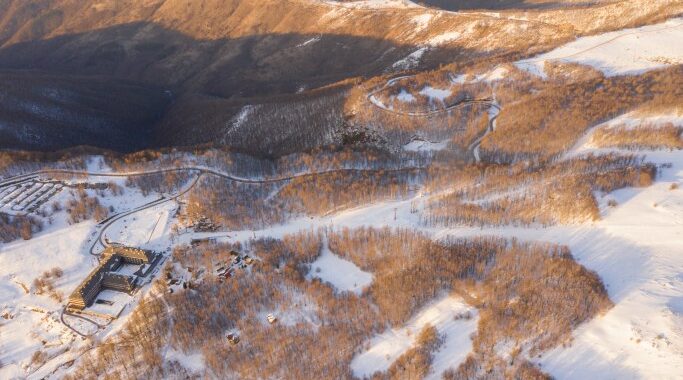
column 26, row 197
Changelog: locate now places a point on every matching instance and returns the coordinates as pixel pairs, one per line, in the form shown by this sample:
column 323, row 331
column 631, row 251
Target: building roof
column 129, row 253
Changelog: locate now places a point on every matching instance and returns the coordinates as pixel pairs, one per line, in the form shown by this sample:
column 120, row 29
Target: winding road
column 473, row 148
column 370, row 98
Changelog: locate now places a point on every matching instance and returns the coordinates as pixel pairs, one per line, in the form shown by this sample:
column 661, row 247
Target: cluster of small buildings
column 108, row 274
column 225, row 270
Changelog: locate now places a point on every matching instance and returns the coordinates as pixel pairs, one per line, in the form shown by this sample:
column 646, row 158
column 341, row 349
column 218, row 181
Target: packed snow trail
column 474, row 147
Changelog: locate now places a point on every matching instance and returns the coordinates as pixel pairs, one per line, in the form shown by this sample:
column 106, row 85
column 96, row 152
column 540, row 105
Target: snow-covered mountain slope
column 636, row 250
column 623, row 52
column 642, row 336
column 634, row 244
column 212, row 56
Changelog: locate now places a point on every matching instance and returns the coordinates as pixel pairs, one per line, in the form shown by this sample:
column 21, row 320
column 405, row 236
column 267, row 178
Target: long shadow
column 249, row 66
column 113, row 87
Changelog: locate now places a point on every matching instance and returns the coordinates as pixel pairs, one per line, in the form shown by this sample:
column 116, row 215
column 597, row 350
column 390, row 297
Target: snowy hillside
column 628, row 51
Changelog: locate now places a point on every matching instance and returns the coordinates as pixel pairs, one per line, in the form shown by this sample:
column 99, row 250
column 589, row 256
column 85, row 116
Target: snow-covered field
column 385, row 348
column 146, row 229
column 34, row 319
column 342, row 274
column 623, row 52
column 636, row 249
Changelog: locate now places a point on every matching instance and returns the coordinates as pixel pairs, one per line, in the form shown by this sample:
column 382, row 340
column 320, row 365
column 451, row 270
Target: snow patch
column 342, row 274
column 307, row 42
column 422, row 21
column 372, row 4
column 385, row 348
column 300, row 309
column 410, row 61
column 458, row 79
column 238, row 120
column 436, row 93
column 405, row 96
column 143, row 229
column 498, row 73
column 192, row 362
column 425, row 146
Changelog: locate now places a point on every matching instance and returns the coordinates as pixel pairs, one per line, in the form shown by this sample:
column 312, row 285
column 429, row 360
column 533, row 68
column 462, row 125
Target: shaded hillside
column 249, row 66
column 245, row 48
column 46, row 112
column 263, row 127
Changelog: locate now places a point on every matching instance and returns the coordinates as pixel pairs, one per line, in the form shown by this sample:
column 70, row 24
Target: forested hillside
column 357, row 189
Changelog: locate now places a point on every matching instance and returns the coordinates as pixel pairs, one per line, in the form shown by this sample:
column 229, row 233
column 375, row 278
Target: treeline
column 15, row 227
column 167, row 182
column 416, row 362
column 242, row 165
column 14, row 163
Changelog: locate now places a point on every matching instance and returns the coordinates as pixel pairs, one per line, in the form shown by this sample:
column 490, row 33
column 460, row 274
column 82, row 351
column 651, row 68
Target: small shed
column 233, row 338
